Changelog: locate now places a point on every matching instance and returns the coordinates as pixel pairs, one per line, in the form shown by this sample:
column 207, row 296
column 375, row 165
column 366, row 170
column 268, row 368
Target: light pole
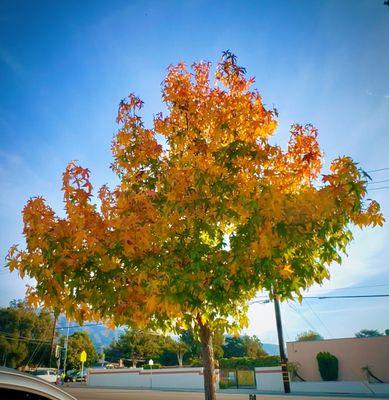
column 151, row 363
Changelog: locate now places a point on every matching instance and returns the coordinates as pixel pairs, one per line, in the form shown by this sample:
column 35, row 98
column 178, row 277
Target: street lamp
column 151, row 363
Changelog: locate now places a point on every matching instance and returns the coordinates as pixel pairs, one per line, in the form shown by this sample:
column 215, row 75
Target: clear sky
column 64, row 66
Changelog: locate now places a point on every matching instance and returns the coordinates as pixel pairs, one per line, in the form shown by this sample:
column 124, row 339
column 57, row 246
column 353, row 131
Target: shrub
column 328, row 366
column 155, row 366
column 248, row 362
column 195, row 362
column 293, row 369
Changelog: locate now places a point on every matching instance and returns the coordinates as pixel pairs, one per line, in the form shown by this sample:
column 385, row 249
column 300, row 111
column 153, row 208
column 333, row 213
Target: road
column 85, row 393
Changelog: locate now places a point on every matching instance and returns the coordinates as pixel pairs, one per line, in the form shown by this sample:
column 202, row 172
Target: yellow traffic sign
column 83, row 356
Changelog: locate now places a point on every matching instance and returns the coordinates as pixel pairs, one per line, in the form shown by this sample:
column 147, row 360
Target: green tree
column 309, row 336
column 194, row 345
column 25, row 335
column 78, row 342
column 193, row 231
column 253, row 347
column 365, row 333
column 234, row 347
column 387, row 332
column 178, row 347
column 135, row 345
column 243, row 346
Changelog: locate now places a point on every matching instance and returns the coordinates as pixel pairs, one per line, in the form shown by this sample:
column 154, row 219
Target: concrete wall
column 269, row 379
column 166, row 378
column 352, row 353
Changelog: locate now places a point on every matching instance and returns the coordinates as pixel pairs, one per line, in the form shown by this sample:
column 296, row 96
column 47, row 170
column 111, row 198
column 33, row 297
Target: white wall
column 269, row 379
column 166, row 378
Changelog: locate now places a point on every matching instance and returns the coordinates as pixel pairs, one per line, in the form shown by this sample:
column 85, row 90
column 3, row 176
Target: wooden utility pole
column 284, row 360
column 52, row 340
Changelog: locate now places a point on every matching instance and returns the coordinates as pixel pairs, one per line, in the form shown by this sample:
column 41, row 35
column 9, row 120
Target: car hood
column 12, row 379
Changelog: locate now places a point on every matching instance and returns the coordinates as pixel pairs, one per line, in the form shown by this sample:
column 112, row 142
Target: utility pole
column 66, row 348
column 52, row 341
column 284, row 360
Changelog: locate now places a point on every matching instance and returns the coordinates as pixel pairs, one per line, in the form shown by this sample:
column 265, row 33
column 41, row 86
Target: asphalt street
column 85, row 393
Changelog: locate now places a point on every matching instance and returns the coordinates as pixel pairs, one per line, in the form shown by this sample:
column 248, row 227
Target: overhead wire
column 375, row 182
column 319, row 319
column 378, row 170
column 379, row 188
column 302, row 317
column 9, row 335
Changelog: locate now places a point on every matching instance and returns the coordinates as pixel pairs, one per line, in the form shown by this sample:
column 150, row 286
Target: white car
column 47, row 374
column 15, row 385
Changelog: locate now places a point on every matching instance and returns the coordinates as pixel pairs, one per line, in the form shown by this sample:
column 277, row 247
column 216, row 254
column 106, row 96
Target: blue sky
column 64, row 66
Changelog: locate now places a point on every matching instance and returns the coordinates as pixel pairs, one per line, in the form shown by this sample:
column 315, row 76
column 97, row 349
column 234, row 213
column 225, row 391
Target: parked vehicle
column 80, row 378
column 47, row 374
column 17, row 385
column 70, row 376
column 75, row 376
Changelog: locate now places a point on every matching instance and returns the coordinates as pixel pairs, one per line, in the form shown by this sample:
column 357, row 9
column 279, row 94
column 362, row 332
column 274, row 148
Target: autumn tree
column 194, row 229
column 308, row 336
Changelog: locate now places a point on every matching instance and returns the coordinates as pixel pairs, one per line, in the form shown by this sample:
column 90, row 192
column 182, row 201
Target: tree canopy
column 194, row 229
column 364, row 333
column 308, row 336
column 25, row 335
column 243, row 346
column 135, row 345
column 78, row 342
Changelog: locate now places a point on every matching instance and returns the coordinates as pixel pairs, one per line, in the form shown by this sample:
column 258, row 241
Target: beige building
column 353, row 354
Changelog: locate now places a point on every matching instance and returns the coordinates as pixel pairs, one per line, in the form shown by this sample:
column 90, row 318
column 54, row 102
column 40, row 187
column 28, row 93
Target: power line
column 318, row 291
column 19, row 339
column 378, row 170
column 346, row 296
column 264, row 301
column 320, row 320
column 379, row 188
column 350, row 288
column 79, row 326
column 375, row 182
column 302, row 317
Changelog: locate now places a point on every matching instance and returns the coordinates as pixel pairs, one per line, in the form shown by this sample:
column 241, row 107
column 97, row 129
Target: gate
column 238, row 378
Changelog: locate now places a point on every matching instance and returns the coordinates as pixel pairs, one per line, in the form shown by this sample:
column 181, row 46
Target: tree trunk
column 180, row 357
column 208, row 361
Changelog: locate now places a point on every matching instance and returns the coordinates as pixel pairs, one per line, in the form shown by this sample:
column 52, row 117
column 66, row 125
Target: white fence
column 269, row 379
column 166, row 378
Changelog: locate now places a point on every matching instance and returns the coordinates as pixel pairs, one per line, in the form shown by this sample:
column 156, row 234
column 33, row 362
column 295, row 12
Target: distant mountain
column 271, row 349
column 101, row 336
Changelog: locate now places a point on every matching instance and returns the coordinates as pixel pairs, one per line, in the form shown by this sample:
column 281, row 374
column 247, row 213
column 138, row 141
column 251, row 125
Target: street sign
column 57, row 351
column 83, row 356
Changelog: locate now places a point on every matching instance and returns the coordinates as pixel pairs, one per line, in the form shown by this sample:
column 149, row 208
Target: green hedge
column 248, row 362
column 155, row 366
column 328, row 366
